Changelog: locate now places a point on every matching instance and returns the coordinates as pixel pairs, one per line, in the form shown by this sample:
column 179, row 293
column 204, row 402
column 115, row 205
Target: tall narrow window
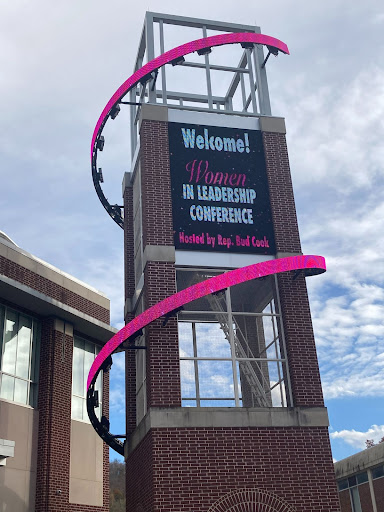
column 19, row 357
column 84, row 354
column 232, row 351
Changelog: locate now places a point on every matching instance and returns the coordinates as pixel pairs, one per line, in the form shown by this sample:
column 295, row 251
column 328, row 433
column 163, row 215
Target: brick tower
column 225, row 409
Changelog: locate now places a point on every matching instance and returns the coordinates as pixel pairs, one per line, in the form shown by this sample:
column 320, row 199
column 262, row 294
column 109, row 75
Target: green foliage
column 116, row 486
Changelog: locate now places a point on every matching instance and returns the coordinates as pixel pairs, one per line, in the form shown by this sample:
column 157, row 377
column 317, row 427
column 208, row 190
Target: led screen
column 220, row 195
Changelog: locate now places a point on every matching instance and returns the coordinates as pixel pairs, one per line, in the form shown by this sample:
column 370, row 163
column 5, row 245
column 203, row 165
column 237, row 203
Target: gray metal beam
column 200, row 22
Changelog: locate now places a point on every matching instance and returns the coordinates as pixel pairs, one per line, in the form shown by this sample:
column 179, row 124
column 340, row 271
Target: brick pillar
column 129, row 288
column 55, row 388
column 163, row 370
column 54, row 435
column 295, row 311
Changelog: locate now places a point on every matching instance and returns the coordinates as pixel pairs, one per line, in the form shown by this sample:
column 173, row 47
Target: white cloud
column 357, row 439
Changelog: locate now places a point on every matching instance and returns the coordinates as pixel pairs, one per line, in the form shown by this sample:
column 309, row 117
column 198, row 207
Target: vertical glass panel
column 35, row 359
column 277, row 384
column 89, row 357
column 2, row 312
column 185, row 339
column 78, row 365
column 187, row 375
column 21, row 391
column 140, row 368
column 10, row 342
column 212, row 339
column 140, row 405
column 252, row 296
column 254, row 384
column 356, row 505
column 23, row 347
column 77, row 408
column 248, row 336
column 7, row 387
column 216, row 379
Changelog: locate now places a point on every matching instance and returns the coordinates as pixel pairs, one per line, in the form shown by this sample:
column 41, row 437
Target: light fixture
column 178, row 61
column 149, row 76
column 115, row 111
column 204, row 51
column 247, row 45
column 100, row 143
column 100, row 175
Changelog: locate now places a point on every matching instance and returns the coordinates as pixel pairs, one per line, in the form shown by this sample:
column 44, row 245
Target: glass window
column 355, row 498
column 19, row 357
column 84, row 354
column 362, row 478
column 343, row 484
column 378, row 472
column 231, row 348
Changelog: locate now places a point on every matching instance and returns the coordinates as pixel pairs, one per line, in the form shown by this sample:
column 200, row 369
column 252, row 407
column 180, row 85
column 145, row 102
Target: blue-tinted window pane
column 212, row 339
column 216, row 379
column 217, row 403
column 185, row 339
column 378, row 472
column 187, row 376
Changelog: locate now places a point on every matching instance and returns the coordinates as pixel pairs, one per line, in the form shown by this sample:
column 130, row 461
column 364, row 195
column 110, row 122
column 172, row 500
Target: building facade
column 225, row 409
column 360, row 480
column 51, row 327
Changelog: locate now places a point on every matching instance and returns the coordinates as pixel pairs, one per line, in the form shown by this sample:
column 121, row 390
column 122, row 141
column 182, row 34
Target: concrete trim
column 272, row 124
column 7, row 449
column 287, row 254
column 45, row 306
column 217, row 417
column 127, row 182
column 360, row 461
column 223, row 118
column 159, row 253
column 153, row 113
column 44, row 269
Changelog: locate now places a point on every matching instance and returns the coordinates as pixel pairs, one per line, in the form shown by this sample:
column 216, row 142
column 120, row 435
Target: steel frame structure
column 141, row 85
column 251, row 67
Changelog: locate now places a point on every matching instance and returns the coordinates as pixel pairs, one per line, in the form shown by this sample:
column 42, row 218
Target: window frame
column 32, row 381
column 85, row 371
column 231, row 316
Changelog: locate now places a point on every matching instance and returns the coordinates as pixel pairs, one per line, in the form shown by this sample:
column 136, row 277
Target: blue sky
column 61, row 61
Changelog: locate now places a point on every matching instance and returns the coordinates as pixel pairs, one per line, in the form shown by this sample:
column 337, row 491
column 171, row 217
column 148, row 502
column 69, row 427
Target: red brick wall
column 345, row 501
column 296, row 315
column 155, row 184
column 41, row 284
column 300, row 341
column 281, row 193
column 163, row 366
column 54, row 435
column 378, row 486
column 365, row 497
column 193, row 468
column 190, row 469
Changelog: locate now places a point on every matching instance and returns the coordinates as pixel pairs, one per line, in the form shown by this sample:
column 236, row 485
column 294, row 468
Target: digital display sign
column 220, row 194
